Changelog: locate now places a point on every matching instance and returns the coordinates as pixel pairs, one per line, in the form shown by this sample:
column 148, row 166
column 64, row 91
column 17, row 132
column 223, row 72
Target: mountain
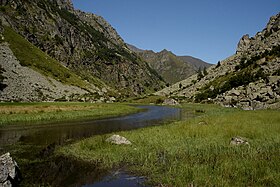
column 197, row 63
column 170, row 67
column 66, row 46
column 249, row 79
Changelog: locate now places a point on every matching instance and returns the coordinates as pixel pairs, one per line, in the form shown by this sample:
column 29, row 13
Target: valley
column 79, row 106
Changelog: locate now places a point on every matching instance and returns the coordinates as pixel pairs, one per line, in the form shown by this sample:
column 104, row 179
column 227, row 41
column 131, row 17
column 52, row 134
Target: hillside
column 83, row 44
column 170, row 67
column 249, row 79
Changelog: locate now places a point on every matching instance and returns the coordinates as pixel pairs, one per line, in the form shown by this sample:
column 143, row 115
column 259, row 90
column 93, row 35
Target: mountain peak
column 172, row 68
column 165, row 51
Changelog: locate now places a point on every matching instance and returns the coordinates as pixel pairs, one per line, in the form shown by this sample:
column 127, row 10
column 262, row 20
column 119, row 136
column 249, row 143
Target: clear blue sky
column 207, row 29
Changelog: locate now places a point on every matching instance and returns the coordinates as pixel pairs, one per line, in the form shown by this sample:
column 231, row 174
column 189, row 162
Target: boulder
column 9, row 171
column 118, row 140
column 238, row 141
column 234, row 92
column 170, row 102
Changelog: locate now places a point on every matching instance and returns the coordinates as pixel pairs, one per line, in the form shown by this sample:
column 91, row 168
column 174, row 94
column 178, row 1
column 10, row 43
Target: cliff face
column 250, row 79
column 83, row 42
column 170, row 67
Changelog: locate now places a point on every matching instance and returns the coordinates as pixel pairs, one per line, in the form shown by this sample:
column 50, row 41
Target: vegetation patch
column 38, row 113
column 149, row 99
column 196, row 152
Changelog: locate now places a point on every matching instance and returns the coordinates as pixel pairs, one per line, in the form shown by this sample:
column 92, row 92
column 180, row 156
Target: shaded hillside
column 197, row 63
column 250, row 79
column 172, row 68
column 82, row 42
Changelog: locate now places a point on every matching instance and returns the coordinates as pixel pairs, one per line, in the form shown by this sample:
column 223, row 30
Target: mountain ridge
column 171, row 67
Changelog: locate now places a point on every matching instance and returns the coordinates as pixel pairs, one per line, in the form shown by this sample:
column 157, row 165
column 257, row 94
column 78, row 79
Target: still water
column 43, row 136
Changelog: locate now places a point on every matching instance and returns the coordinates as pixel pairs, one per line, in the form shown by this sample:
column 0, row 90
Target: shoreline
column 36, row 114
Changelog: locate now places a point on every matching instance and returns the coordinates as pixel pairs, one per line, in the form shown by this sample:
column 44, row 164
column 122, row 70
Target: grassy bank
column 38, row 113
column 197, row 151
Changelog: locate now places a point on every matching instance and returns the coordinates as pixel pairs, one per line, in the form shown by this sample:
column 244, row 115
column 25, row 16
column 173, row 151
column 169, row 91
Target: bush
column 218, row 64
column 159, row 101
column 2, row 9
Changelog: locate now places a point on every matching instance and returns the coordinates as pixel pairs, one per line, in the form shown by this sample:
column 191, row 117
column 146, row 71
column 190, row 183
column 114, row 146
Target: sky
column 206, row 29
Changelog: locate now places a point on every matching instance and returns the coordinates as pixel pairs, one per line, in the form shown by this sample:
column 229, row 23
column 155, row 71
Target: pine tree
column 199, row 74
column 218, row 65
column 205, row 71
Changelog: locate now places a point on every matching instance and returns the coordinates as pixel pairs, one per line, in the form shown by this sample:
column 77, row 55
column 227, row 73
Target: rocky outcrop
column 83, row 42
column 243, row 44
column 9, row 171
column 64, row 4
column 248, row 80
column 262, row 41
column 256, row 95
column 118, row 140
column 170, row 67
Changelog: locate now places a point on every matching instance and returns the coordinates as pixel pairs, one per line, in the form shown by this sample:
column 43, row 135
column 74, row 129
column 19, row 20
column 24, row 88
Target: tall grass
column 188, row 153
column 38, row 113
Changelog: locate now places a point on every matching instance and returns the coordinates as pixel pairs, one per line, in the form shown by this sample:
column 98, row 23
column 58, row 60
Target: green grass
column 154, row 99
column 186, row 153
column 40, row 113
column 29, row 55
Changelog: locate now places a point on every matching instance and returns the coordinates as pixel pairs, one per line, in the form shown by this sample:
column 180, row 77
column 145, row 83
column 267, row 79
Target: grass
column 38, row 113
column 150, row 99
column 187, row 153
column 29, row 55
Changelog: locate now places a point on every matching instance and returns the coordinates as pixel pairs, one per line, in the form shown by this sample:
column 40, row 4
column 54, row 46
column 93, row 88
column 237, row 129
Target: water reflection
column 60, row 133
column 40, row 141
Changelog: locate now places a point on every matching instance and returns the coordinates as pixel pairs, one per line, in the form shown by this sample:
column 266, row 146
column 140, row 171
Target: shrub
column 199, row 74
column 2, row 9
column 218, row 64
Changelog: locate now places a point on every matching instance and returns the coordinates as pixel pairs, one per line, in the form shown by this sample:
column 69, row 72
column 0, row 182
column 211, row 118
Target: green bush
column 2, row 9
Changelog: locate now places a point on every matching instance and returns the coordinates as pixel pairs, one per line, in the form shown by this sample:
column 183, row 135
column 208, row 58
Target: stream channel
column 33, row 147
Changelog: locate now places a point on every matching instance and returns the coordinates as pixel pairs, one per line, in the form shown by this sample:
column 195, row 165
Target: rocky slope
column 82, row 42
column 170, row 67
column 25, row 84
column 250, row 79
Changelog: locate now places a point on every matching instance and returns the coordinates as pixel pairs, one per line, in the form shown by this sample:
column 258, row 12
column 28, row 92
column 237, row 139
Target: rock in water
column 238, row 141
column 9, row 171
column 117, row 139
